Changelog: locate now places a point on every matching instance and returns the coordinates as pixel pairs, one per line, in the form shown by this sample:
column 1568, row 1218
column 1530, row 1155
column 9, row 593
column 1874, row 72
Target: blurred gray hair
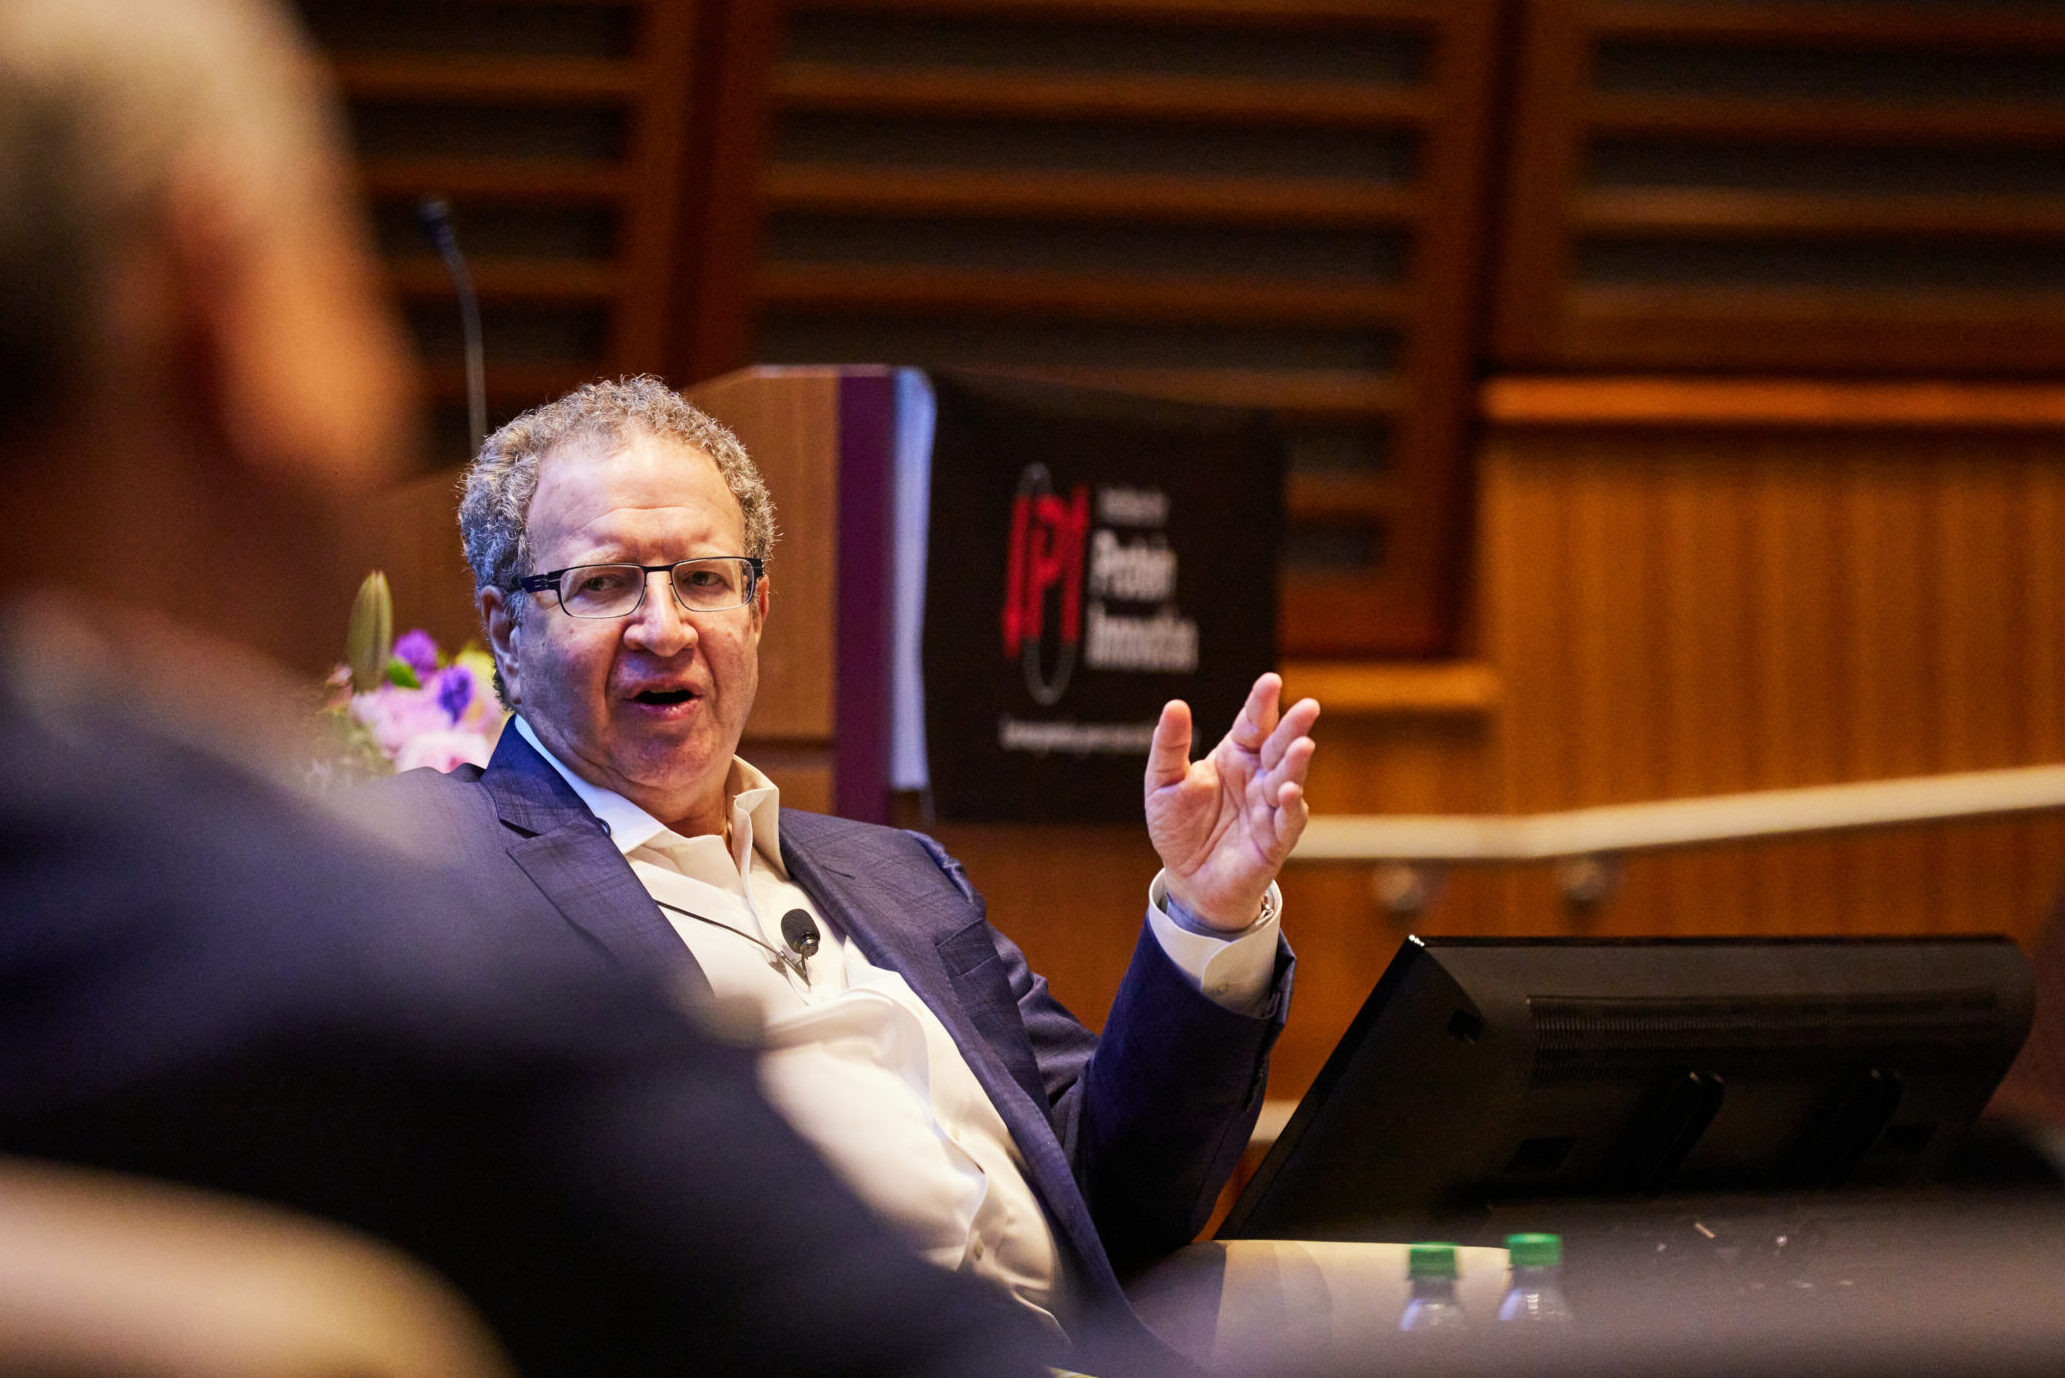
column 495, row 509
column 104, row 105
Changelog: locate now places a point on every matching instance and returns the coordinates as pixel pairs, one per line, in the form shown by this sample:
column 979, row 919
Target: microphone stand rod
column 435, row 213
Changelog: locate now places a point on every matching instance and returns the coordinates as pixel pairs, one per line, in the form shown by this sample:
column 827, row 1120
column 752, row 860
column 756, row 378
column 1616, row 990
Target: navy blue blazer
column 207, row 979
column 1127, row 1137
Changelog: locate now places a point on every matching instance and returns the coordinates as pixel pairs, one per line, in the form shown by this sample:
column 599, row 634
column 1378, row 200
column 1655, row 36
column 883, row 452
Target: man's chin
column 664, row 765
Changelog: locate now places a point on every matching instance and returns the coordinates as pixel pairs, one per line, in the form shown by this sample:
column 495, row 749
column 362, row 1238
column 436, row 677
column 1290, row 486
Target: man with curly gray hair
column 619, row 541
column 500, row 483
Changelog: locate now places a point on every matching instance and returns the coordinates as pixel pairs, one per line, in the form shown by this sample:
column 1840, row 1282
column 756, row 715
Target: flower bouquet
column 398, row 703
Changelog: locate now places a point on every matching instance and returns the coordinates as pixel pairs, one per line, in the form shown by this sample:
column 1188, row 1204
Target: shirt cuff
column 1232, row 970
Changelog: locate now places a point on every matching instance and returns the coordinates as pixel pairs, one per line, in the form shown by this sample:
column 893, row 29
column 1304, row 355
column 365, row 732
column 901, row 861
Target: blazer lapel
column 919, row 928
column 562, row 847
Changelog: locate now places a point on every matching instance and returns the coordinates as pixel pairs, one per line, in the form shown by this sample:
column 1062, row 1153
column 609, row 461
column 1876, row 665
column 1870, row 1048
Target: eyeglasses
column 715, row 584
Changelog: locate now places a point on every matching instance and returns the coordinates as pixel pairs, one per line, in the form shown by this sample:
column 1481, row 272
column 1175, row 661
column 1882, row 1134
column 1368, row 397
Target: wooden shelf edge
column 1375, row 688
column 1774, row 402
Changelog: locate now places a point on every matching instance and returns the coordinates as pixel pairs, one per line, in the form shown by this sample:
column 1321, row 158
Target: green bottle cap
column 1535, row 1250
column 1430, row 1261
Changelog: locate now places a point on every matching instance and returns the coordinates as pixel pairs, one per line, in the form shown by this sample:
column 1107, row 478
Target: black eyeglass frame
column 549, row 582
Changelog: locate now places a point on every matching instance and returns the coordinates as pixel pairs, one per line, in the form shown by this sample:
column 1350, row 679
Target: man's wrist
column 1189, row 918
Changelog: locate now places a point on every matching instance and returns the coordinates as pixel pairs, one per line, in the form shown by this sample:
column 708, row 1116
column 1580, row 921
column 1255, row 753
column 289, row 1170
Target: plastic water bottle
column 1431, row 1268
column 1535, row 1296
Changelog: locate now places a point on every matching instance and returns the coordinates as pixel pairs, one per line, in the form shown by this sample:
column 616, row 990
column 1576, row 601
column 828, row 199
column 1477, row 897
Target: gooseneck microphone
column 434, row 214
column 799, row 931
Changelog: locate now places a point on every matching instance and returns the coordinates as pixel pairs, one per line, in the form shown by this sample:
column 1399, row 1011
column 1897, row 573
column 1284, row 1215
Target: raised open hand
column 1224, row 824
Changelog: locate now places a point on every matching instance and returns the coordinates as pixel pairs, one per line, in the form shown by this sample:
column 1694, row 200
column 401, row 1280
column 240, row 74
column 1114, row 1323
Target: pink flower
column 444, row 750
column 395, row 716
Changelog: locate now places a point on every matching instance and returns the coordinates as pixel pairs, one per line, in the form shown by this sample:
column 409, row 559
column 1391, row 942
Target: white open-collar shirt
column 855, row 1061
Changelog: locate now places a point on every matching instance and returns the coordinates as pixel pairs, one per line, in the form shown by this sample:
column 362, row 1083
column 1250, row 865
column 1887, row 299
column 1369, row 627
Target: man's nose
column 660, row 625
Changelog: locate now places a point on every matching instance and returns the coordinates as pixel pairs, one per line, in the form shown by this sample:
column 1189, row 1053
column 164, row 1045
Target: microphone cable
column 799, row 931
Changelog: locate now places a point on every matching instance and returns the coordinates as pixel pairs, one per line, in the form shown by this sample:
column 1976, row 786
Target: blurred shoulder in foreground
column 206, row 976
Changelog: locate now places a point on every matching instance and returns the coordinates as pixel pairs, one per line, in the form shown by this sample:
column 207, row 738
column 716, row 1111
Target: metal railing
column 1590, row 842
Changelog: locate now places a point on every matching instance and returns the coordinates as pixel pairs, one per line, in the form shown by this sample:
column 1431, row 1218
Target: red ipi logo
column 1048, row 534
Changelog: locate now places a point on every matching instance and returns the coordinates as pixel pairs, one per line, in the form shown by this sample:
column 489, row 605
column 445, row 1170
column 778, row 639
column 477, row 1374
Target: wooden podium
column 823, row 440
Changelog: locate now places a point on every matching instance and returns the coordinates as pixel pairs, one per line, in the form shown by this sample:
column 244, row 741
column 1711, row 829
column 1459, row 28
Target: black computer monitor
column 1483, row 1072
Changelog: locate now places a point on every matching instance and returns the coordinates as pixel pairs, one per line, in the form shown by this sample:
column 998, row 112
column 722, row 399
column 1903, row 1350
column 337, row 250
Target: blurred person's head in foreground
column 214, row 980
column 194, row 362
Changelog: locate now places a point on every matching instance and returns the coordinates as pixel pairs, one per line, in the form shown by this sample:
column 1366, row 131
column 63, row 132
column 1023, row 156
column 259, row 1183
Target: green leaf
column 369, row 643
column 402, row 674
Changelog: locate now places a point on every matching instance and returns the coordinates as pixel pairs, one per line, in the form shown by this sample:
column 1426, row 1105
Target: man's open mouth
column 663, row 697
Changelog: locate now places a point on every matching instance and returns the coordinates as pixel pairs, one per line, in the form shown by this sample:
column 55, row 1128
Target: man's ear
column 498, row 616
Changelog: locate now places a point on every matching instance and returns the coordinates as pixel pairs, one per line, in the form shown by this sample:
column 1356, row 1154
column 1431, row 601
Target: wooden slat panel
column 1979, row 712
column 1827, row 121
column 1132, row 96
column 1216, row 176
column 1777, row 185
column 1851, row 25
column 1801, row 605
column 578, row 160
column 1234, row 13
column 1304, row 392
column 510, row 385
column 507, row 180
column 1707, row 213
column 1091, row 296
column 1748, row 327
column 536, row 280
column 1637, row 404
column 1081, row 195
column 658, row 158
column 526, row 80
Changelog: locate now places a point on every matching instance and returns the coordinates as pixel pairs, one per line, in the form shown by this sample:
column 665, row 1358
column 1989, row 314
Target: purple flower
column 418, row 650
column 455, row 690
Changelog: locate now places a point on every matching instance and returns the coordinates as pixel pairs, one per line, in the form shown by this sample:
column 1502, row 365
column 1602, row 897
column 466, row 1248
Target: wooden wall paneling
column 1615, row 566
column 411, row 533
column 720, row 241
column 1543, row 146
column 1842, row 602
column 562, row 135
column 1429, row 523
column 1895, row 877
column 1801, row 679
column 2041, row 502
column 1529, row 630
column 657, row 158
column 1711, row 737
column 1210, row 202
column 1985, row 565
column 1726, row 186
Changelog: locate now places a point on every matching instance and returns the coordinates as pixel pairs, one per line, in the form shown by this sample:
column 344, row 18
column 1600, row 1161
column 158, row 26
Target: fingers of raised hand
column 1292, row 728
column 1290, row 817
column 1168, row 758
column 1290, row 769
column 1258, row 716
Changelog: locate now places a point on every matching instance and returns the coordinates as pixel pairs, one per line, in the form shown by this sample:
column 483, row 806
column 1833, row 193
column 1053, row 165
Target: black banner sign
column 1091, row 557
